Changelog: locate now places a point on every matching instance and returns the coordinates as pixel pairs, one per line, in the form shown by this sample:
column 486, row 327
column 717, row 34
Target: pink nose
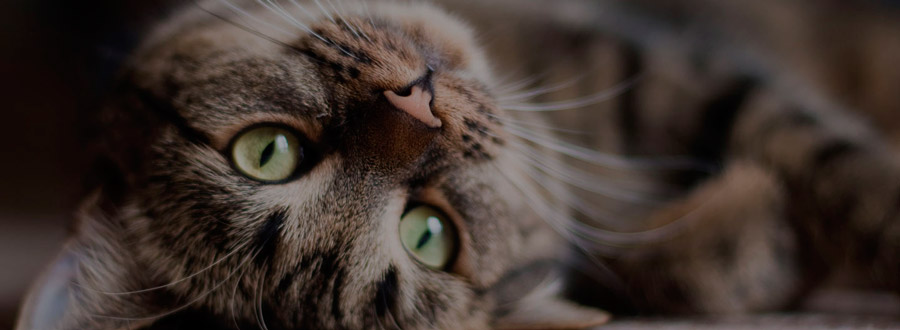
column 417, row 104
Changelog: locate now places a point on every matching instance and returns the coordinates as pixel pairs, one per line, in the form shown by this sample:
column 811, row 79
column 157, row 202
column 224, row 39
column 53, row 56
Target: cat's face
column 275, row 183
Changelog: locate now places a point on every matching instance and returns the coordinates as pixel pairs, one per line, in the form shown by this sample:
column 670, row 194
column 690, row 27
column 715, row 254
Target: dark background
column 57, row 58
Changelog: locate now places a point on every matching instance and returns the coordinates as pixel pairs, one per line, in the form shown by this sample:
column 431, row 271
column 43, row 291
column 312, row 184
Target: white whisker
column 260, row 318
column 596, row 239
column 325, row 11
column 237, row 283
column 582, row 102
column 189, row 303
column 540, row 90
column 556, row 220
column 368, row 14
column 604, row 159
column 506, row 120
column 278, row 9
column 356, row 26
column 517, row 84
column 246, row 14
column 303, row 9
column 343, row 19
column 236, row 249
column 585, row 180
column 273, row 6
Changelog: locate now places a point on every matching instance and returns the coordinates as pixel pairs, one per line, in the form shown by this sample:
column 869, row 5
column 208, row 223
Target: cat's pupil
column 267, row 153
column 426, row 236
column 433, row 226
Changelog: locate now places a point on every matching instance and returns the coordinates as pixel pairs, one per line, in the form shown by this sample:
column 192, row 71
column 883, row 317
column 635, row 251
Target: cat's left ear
column 550, row 313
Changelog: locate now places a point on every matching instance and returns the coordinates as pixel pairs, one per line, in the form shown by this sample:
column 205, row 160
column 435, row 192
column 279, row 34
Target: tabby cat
column 506, row 164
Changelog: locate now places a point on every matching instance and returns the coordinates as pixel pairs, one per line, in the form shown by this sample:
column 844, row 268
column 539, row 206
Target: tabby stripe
column 329, row 270
column 831, row 151
column 628, row 116
column 718, row 118
column 336, row 296
column 872, row 248
column 788, row 118
column 268, row 237
column 386, row 293
column 839, row 209
column 286, row 281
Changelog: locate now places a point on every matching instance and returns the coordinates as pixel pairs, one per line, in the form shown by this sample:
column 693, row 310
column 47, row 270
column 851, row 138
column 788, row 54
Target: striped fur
column 669, row 169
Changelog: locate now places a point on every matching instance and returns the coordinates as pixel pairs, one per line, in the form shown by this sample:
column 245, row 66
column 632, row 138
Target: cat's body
column 736, row 189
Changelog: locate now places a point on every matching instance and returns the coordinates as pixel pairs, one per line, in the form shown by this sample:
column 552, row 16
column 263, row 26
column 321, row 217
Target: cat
column 384, row 164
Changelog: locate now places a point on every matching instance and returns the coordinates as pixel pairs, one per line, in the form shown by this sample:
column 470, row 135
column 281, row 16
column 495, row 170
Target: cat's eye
column 428, row 236
column 268, row 154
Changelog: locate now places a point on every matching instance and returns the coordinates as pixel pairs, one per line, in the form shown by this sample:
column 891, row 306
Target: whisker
column 261, row 319
column 605, row 272
column 245, row 14
column 278, row 9
column 573, row 201
column 237, row 283
column 359, row 27
column 605, row 159
column 600, row 239
column 235, row 250
column 518, row 84
column 199, row 297
column 599, row 97
column 303, row 9
column 343, row 19
column 325, row 11
column 356, row 12
column 188, row 304
column 255, row 32
column 368, row 14
column 541, row 90
column 506, row 120
column 553, row 218
column 578, row 204
column 581, row 179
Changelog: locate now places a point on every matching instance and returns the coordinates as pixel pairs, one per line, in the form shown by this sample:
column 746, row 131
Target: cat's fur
column 737, row 191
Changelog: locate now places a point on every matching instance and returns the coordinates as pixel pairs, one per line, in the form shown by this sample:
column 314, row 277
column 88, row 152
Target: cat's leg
column 842, row 181
column 733, row 252
column 805, row 190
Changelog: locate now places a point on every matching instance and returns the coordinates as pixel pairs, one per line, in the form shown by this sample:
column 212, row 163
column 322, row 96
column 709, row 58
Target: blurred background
column 58, row 57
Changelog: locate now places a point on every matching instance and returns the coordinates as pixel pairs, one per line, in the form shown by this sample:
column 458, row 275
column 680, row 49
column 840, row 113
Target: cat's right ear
column 49, row 300
column 57, row 302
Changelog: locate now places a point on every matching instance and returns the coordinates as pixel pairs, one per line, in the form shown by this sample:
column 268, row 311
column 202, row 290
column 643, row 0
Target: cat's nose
column 417, row 104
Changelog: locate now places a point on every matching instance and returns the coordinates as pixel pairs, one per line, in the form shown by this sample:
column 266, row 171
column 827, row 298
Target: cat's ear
column 55, row 302
column 50, row 299
column 550, row 313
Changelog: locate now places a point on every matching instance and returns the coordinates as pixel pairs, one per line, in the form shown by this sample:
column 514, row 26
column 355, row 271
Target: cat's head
column 309, row 165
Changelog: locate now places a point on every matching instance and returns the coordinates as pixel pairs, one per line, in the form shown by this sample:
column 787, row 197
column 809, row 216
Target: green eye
column 268, row 154
column 428, row 236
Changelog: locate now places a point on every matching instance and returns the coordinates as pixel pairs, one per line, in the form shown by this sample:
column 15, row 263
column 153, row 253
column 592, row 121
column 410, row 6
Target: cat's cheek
column 388, row 240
